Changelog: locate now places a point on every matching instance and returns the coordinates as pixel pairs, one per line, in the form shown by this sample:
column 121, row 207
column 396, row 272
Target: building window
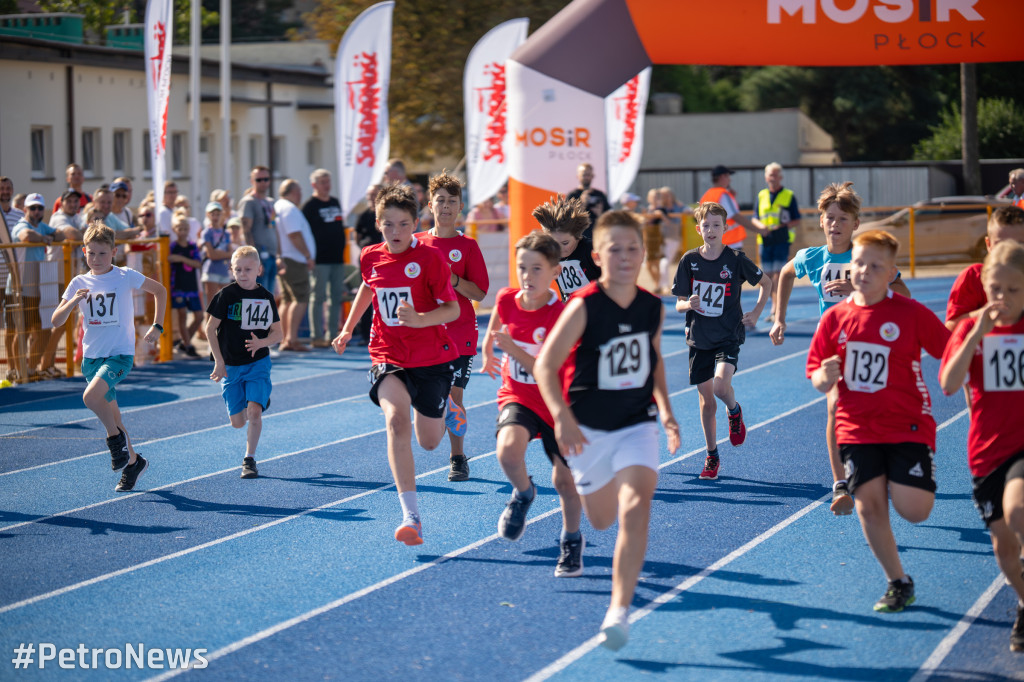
column 277, row 156
column 178, row 161
column 42, row 164
column 91, row 152
column 255, row 151
column 147, row 156
column 313, row 154
column 122, row 153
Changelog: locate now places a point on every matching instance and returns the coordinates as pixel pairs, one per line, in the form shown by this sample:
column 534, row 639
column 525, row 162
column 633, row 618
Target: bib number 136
column 625, row 362
column 1004, row 362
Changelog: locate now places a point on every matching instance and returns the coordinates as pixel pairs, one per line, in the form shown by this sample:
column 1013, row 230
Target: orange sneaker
column 410, row 532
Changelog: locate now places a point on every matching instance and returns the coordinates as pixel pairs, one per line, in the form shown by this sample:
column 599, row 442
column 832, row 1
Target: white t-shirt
column 291, row 220
column 108, row 314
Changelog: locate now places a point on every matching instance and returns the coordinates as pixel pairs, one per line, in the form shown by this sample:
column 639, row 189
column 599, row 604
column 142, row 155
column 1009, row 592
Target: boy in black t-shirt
column 565, row 220
column 244, row 322
column 708, row 284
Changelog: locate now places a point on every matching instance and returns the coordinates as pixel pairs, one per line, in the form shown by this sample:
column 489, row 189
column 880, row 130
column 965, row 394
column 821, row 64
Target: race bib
column 516, row 371
column 866, row 369
column 625, row 362
column 572, row 277
column 1004, row 362
column 100, row 309
column 256, row 314
column 388, row 299
column 830, row 273
column 712, row 297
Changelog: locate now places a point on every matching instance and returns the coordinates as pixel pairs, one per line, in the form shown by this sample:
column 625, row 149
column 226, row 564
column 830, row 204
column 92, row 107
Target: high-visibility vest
column 769, row 210
column 1019, row 203
column 735, row 232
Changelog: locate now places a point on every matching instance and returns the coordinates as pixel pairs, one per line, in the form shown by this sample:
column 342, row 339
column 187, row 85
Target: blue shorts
column 186, row 299
column 245, row 384
column 774, row 257
column 112, row 370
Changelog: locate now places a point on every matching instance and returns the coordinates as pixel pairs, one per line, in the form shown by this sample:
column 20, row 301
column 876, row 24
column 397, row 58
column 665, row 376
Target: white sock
column 616, row 614
column 838, row 483
column 409, row 506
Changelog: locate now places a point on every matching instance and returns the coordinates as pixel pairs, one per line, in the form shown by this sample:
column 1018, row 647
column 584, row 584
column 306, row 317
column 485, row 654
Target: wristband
column 457, row 280
column 157, row 327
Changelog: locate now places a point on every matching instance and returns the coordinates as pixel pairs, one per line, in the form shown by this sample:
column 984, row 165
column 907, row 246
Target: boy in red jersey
column 967, row 295
column 469, row 279
column 519, row 324
column 987, row 350
column 609, row 339
column 871, row 345
column 409, row 286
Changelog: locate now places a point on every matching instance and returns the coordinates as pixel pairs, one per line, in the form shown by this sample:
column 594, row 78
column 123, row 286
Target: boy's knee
column 1014, row 515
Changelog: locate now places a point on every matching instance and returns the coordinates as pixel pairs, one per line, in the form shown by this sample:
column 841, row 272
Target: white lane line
column 932, row 663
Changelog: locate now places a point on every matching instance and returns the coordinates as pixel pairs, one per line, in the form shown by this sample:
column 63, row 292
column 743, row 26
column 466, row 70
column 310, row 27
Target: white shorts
column 609, row 452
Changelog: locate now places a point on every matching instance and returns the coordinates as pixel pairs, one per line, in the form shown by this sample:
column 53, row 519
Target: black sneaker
column 899, row 595
column 191, row 351
column 460, row 468
column 118, row 446
column 570, row 561
column 1017, row 633
column 249, row 469
column 131, row 474
column 512, row 522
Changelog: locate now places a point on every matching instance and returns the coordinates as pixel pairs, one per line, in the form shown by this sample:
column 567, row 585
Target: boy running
column 520, row 322
column 469, row 279
column 708, row 284
column 828, row 268
column 609, row 338
column 409, row 286
column 242, row 325
column 870, row 346
column 104, row 297
column 565, row 220
column 987, row 349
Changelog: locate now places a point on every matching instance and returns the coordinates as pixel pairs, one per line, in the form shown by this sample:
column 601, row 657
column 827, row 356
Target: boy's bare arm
column 900, row 287
column 64, row 308
column 442, row 314
column 661, row 395
column 151, row 286
column 553, row 354
column 786, row 280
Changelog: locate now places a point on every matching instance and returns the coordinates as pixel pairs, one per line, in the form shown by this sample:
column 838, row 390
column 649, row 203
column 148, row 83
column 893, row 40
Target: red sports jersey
column 463, row 255
column 882, row 396
column 967, row 294
column 528, row 329
column 418, row 275
column 996, row 388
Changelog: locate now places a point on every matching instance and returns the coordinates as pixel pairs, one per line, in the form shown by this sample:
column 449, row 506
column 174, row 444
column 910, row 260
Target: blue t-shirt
column 820, row 265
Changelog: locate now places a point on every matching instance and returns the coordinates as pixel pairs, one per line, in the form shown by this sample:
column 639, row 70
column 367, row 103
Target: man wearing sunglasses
column 259, row 224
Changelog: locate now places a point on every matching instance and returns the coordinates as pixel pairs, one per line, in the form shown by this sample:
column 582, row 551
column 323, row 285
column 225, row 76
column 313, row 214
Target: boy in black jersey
column 708, row 284
column 565, row 220
column 243, row 323
column 609, row 339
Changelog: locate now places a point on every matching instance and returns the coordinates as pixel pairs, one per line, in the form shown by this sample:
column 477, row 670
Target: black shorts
column 704, row 362
column 520, row 415
column 428, row 387
column 910, row 464
column 988, row 490
column 463, row 368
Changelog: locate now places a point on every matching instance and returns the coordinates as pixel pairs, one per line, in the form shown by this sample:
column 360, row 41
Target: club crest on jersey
column 889, row 331
column 539, row 334
column 455, row 255
column 726, row 273
column 842, row 336
column 412, row 270
column 625, row 328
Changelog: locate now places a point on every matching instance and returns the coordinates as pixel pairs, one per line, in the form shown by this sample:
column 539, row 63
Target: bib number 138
column 625, row 362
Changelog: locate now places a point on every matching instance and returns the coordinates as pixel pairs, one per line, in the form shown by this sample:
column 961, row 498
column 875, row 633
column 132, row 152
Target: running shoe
column 249, row 469
column 118, row 450
column 1017, row 633
column 737, row 429
column 615, row 628
column 842, row 502
column 460, row 468
column 897, row 597
column 455, row 419
column 710, row 472
column 131, row 474
column 512, row 522
column 570, row 560
column 410, row 532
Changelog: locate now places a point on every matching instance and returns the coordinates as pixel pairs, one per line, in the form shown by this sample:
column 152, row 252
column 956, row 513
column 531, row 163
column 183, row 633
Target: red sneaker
column 737, row 429
column 710, row 472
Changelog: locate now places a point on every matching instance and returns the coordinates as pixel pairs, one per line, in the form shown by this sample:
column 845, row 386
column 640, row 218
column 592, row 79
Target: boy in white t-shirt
column 104, row 297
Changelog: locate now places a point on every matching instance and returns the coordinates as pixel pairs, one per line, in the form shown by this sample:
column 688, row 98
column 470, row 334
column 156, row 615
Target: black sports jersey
column 719, row 283
column 578, row 269
column 610, row 373
column 242, row 313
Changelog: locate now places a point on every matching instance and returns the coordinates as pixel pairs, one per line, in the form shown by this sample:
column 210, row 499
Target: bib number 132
column 625, row 362
column 867, row 367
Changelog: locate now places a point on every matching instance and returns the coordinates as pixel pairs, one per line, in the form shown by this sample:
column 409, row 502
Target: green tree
column 431, row 40
column 1000, row 132
column 98, row 14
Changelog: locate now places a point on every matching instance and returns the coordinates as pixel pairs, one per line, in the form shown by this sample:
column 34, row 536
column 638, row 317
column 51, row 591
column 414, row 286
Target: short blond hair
column 246, row 251
column 879, row 238
column 709, row 208
column 98, row 232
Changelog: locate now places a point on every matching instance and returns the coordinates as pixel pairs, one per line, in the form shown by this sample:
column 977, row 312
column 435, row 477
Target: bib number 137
column 625, row 362
column 388, row 299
